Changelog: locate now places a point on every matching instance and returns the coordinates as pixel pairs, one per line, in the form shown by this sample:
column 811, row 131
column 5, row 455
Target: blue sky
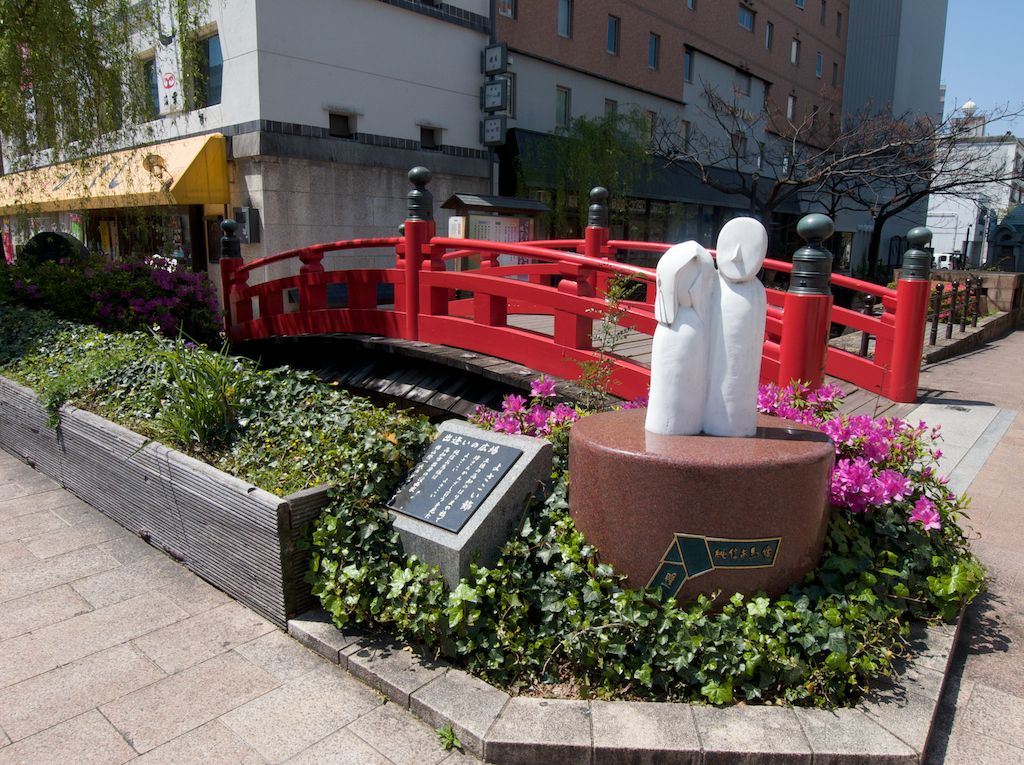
column 982, row 55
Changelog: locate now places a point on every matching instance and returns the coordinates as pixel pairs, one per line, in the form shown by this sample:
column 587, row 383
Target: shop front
column 162, row 199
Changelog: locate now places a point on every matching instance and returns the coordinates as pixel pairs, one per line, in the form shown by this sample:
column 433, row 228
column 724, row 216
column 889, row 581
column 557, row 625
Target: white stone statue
column 679, row 371
column 736, row 335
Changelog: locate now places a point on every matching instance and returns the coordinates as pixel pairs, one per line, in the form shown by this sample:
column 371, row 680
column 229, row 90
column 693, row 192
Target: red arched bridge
column 541, row 311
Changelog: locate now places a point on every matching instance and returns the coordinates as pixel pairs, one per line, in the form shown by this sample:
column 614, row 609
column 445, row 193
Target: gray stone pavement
column 981, row 718
column 111, row 652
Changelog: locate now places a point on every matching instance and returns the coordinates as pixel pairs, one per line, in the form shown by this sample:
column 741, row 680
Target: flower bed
column 548, row 617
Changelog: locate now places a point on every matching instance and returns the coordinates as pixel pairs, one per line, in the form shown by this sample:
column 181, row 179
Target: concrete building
column 324, row 105
column 966, row 225
column 893, row 64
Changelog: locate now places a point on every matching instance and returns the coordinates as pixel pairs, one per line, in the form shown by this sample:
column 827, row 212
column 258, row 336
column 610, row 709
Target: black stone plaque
column 453, row 479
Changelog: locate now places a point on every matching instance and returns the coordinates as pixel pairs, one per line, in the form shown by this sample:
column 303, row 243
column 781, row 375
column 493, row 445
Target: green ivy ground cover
column 548, row 615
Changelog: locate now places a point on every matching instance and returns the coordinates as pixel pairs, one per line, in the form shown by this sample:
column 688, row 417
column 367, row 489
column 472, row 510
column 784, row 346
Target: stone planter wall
column 238, row 537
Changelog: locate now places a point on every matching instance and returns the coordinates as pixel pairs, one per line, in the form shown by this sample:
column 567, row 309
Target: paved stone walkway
column 982, row 714
column 111, row 652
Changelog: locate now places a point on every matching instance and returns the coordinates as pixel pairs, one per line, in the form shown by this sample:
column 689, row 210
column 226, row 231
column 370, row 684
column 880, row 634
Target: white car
column 942, row 261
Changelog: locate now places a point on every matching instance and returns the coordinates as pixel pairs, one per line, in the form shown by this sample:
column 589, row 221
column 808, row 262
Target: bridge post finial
column 597, row 215
column 917, row 261
column 807, row 311
column 230, row 244
column 812, row 263
column 420, row 200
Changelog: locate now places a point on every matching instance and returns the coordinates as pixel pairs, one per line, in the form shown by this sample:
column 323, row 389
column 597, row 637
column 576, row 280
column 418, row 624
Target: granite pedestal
column 698, row 514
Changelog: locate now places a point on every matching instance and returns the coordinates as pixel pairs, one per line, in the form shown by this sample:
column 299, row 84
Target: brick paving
column 111, row 652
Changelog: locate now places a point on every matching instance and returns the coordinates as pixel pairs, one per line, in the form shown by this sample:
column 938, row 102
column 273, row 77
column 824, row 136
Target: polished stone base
column 700, row 514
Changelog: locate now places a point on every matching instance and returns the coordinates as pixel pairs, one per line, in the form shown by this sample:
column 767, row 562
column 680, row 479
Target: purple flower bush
column 880, row 462
column 134, row 295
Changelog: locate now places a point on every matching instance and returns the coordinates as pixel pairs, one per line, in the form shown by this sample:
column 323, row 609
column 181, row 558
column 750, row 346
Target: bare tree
column 872, row 161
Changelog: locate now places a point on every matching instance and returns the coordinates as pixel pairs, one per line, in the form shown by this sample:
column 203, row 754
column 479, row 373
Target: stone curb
column 889, row 727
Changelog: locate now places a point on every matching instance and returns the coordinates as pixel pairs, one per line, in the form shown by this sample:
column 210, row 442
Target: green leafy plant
column 447, row 738
column 595, row 379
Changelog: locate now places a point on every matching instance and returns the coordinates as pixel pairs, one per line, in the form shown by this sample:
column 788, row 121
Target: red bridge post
column 419, row 229
column 595, row 238
column 312, row 291
column 807, row 310
column 912, row 294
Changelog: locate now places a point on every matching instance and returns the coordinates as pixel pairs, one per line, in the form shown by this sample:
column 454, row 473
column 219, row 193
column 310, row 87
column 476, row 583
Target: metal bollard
column 968, row 283
column 977, row 301
column 936, row 312
column 954, row 291
column 869, row 310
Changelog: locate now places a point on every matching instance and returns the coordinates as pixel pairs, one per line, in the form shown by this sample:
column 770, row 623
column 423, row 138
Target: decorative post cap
column 919, row 237
column 420, row 200
column 812, row 263
column 230, row 245
column 815, row 228
column 917, row 262
column 597, row 215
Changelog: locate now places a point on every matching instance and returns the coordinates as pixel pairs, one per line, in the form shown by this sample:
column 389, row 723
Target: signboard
column 492, row 130
column 689, row 556
column 494, row 95
column 453, row 480
column 494, row 59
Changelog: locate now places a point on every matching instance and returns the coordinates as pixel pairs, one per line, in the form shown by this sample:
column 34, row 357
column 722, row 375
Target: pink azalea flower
column 513, row 403
column 507, row 424
column 565, row 413
column 542, row 388
column 926, row 514
column 537, row 418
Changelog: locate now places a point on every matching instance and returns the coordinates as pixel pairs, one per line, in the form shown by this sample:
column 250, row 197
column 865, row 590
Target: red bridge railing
column 566, row 281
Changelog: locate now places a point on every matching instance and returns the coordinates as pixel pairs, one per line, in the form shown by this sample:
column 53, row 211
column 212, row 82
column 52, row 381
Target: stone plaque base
column 696, row 514
column 490, row 526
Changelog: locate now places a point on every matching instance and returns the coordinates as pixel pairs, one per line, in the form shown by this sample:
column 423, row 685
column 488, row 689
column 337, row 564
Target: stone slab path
column 111, row 652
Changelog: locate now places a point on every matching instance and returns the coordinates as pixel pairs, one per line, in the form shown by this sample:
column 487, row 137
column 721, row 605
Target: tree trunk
column 875, row 244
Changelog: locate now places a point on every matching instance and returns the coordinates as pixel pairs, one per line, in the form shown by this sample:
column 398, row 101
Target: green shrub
column 122, row 297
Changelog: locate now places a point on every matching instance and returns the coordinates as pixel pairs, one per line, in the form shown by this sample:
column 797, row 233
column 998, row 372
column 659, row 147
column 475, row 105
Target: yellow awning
column 187, row 172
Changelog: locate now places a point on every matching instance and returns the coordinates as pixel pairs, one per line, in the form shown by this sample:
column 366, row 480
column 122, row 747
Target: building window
column 835, row 74
column 613, row 34
column 211, row 72
column 790, row 108
column 819, row 64
column 149, row 73
column 653, row 50
column 507, row 8
column 563, row 107
column 741, row 82
column 430, row 138
column 794, row 52
column 769, row 34
column 341, row 125
column 824, row 10
column 611, row 106
column 684, row 134
column 839, row 23
column 565, row 18
column 651, row 118
column 799, row 4
column 814, row 114
column 746, row 19
column 687, row 65
column 691, row 4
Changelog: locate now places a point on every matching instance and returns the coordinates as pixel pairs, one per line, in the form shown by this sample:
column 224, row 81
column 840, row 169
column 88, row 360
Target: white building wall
column 392, row 68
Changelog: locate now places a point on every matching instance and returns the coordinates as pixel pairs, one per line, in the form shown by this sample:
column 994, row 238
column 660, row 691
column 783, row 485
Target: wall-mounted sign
column 494, row 59
column 492, row 130
column 689, row 556
column 494, row 95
